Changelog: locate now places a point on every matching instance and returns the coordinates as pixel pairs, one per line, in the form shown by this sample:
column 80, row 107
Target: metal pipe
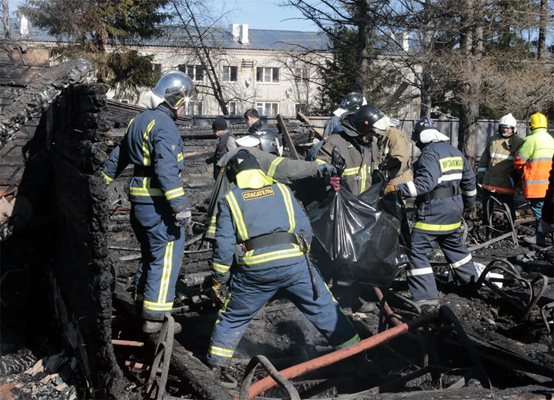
column 331, row 358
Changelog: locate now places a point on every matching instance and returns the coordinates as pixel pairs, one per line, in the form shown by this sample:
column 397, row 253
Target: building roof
column 215, row 37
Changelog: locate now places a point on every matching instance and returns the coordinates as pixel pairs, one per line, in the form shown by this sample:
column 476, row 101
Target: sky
column 258, row 14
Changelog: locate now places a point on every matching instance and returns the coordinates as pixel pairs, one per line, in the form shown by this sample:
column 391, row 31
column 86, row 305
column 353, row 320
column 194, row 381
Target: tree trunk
column 362, row 54
column 541, row 45
column 6, row 18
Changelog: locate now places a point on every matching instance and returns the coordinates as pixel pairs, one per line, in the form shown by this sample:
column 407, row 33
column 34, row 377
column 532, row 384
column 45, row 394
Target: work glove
column 389, row 188
column 471, row 213
column 326, row 170
column 334, row 182
column 183, row 218
column 218, row 291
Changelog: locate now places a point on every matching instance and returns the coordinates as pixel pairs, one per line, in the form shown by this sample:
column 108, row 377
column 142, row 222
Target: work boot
column 428, row 306
column 538, row 239
column 223, row 375
column 149, row 326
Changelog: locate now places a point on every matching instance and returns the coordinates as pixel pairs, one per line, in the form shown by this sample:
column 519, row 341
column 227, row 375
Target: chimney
column 244, row 33
column 235, row 31
column 405, row 41
column 24, row 26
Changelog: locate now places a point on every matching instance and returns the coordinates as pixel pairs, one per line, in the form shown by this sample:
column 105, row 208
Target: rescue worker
column 394, row 148
column 159, row 208
column 533, row 161
column 272, row 258
column 266, row 148
column 443, row 185
column 226, row 141
column 496, row 169
column 350, row 103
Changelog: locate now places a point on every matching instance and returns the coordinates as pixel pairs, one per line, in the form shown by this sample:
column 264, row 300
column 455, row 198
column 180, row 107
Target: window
column 267, row 108
column 300, row 74
column 300, row 107
column 194, row 107
column 267, row 74
column 232, row 107
column 196, row 72
column 230, row 73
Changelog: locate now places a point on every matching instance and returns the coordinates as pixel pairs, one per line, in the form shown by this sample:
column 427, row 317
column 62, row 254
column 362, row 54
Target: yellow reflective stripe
column 451, row 164
column 180, row 156
column 150, row 305
column 319, row 162
column 107, row 179
column 145, row 192
column 180, row 101
column 173, row 193
column 351, row 171
column 221, row 352
column 166, row 272
column 272, row 256
column 288, row 205
column 273, row 166
column 237, row 216
column 211, row 227
column 435, row 227
column 145, row 151
column 364, row 178
column 349, row 342
column 221, row 268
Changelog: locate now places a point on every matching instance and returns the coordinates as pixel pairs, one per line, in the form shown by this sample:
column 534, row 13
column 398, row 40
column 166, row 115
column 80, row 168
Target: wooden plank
column 303, row 118
column 283, row 129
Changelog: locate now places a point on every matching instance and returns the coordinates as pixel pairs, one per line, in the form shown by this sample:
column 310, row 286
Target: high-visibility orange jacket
column 534, row 161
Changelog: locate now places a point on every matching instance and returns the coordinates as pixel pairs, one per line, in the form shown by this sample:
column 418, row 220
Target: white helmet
column 507, row 120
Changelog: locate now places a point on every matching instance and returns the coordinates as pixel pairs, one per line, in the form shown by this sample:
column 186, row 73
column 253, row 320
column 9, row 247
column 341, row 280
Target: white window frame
column 228, row 70
column 194, row 107
column 232, row 107
column 301, row 75
column 300, row 107
column 192, row 71
column 267, row 108
column 268, row 75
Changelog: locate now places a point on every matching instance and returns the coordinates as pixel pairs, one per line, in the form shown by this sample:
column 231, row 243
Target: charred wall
column 66, row 151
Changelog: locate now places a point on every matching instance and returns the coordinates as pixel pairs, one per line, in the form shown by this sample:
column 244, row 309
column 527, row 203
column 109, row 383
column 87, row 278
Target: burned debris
column 69, row 323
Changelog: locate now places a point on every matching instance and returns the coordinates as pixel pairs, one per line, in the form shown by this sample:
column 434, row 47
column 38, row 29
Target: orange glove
column 389, row 188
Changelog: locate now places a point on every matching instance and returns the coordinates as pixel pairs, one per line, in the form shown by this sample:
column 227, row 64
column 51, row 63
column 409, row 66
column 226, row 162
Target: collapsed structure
column 68, row 256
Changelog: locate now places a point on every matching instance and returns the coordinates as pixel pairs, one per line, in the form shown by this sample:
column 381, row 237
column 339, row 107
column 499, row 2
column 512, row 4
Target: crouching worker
column 443, row 185
column 265, row 222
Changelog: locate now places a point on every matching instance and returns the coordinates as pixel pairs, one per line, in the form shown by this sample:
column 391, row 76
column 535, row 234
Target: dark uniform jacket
column 154, row 146
column 444, row 182
column 279, row 169
column 357, row 174
column 244, row 214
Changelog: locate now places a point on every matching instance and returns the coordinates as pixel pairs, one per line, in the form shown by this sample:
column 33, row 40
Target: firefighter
column 496, row 170
column 266, row 149
column 443, row 185
column 159, row 208
column 271, row 257
column 350, row 103
column 533, row 161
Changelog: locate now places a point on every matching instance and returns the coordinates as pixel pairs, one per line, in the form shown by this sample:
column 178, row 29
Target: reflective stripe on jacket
column 534, row 160
column 153, row 145
column 357, row 174
column 497, row 163
column 440, row 166
column 279, row 169
column 247, row 213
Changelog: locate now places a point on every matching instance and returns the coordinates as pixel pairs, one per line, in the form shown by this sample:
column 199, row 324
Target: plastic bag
column 360, row 236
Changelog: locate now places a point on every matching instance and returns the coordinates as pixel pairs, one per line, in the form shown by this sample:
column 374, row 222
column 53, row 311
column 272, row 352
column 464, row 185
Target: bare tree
column 543, row 25
column 6, row 18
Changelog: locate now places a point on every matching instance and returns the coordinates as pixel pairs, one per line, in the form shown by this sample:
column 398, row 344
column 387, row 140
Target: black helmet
column 267, row 139
column 366, row 119
column 420, row 126
column 352, row 101
column 242, row 160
